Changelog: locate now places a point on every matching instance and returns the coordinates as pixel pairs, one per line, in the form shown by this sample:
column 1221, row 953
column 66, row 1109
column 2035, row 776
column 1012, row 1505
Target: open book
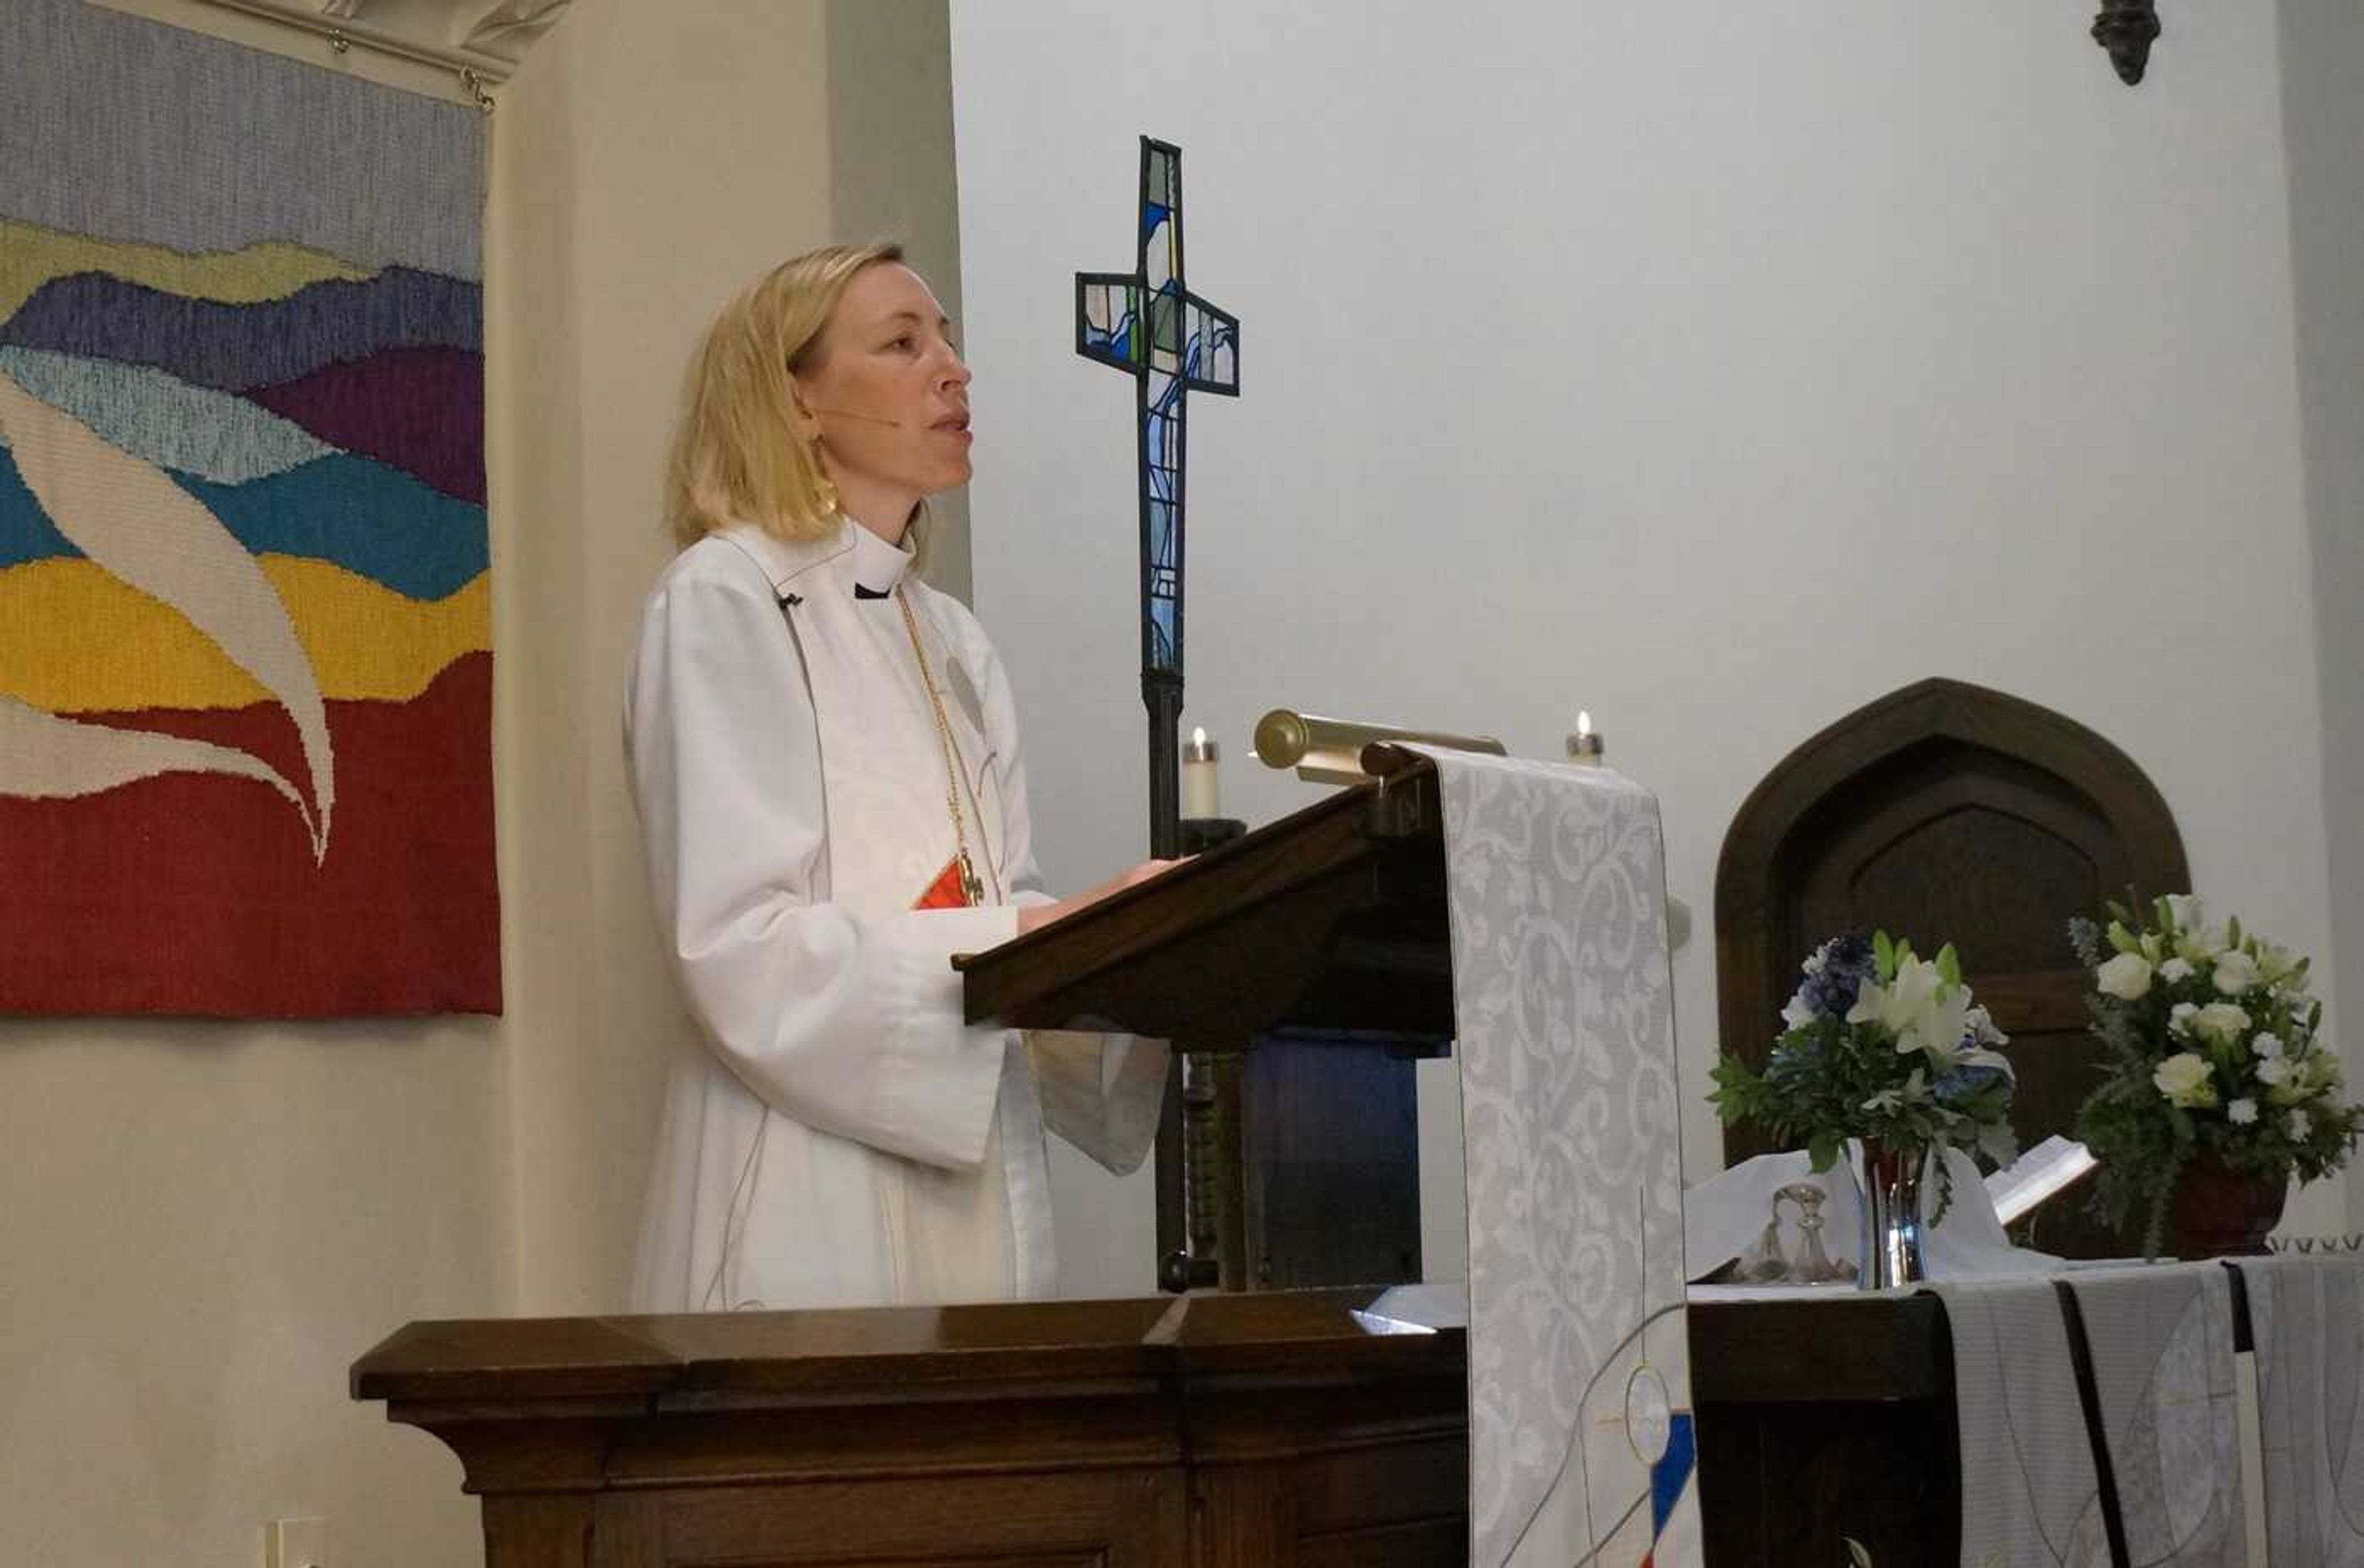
column 2036, row 1175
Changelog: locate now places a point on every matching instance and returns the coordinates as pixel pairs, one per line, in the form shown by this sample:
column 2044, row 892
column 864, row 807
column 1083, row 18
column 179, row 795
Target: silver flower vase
column 1890, row 1178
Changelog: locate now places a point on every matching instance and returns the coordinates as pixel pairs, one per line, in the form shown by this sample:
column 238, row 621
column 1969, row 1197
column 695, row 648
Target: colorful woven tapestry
column 245, row 629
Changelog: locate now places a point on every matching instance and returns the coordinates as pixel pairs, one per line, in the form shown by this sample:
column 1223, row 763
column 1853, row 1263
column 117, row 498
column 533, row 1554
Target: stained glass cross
column 1148, row 323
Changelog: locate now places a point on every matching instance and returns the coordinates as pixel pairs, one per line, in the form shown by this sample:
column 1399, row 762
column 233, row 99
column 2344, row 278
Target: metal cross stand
column 1148, row 324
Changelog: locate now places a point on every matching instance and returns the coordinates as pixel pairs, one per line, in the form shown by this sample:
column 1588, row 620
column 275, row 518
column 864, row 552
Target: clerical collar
column 876, row 566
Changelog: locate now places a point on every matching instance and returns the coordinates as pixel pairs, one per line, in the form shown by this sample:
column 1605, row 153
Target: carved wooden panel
column 1947, row 812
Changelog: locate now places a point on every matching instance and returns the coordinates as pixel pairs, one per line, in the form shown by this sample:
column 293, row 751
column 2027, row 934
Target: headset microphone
column 873, row 419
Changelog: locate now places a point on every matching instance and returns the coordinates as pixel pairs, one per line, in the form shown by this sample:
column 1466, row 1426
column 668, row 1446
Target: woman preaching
column 824, row 758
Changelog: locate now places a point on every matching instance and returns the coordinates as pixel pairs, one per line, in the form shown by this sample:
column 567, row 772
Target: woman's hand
column 1034, row 915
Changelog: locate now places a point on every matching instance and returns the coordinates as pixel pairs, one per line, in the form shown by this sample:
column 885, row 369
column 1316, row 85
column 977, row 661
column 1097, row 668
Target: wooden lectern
column 1306, row 966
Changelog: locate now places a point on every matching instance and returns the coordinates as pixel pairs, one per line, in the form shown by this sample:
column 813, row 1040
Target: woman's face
column 890, row 396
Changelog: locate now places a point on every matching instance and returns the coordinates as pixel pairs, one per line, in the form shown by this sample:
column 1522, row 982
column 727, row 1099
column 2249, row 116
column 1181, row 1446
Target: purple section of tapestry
column 420, row 410
column 233, row 347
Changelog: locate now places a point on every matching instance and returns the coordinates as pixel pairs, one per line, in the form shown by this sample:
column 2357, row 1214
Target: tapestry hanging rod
column 476, row 70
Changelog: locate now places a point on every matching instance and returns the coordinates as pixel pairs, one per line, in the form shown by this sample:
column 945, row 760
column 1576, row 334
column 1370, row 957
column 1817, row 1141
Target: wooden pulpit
column 1202, row 1431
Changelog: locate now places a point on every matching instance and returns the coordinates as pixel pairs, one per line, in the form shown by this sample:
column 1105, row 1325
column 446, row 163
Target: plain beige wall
column 206, row 1223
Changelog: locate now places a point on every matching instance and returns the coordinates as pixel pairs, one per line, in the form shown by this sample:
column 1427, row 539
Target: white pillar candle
column 1584, row 747
column 1201, row 797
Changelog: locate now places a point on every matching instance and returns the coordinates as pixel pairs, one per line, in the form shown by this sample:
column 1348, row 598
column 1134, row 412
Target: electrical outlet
column 295, row 1543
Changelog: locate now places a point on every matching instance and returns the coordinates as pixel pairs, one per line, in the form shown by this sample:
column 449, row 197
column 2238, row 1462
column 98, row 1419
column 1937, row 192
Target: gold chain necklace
column 972, row 889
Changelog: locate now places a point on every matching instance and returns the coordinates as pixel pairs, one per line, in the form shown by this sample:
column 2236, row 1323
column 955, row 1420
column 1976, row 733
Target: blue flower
column 1957, row 1087
column 1834, row 975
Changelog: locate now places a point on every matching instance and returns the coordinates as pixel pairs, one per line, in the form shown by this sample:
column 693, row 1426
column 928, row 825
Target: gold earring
column 825, row 491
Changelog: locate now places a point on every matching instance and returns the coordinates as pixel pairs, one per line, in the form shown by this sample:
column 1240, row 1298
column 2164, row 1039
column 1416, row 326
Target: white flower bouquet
column 2213, row 1051
column 1884, row 1046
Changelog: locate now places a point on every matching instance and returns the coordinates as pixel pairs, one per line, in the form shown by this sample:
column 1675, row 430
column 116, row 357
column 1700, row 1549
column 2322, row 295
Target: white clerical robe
column 838, row 1137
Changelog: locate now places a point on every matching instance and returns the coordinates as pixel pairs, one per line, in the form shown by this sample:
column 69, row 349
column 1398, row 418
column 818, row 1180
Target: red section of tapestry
column 196, row 894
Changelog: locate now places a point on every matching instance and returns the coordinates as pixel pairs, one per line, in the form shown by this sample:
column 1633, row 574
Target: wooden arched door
column 1947, row 812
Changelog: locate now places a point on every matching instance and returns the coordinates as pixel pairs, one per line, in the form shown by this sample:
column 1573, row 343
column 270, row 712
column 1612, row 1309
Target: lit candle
column 1584, row 747
column 1201, row 798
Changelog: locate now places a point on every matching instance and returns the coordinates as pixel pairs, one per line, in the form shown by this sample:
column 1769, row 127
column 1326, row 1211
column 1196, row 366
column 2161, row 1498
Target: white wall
column 2322, row 117
column 1718, row 377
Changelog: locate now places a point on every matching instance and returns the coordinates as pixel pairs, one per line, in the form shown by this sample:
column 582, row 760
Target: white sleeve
column 849, row 1025
column 1102, row 1092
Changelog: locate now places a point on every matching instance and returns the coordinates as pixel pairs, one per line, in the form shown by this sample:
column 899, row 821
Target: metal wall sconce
column 2127, row 29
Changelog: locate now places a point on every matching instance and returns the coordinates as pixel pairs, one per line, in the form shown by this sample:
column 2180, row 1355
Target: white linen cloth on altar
column 1582, row 1449
column 2031, row 1496
column 2159, row 1343
column 2306, row 1319
column 2160, row 1340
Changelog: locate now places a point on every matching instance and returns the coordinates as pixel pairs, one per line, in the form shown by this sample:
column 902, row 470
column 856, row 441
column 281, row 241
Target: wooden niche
column 1947, row 812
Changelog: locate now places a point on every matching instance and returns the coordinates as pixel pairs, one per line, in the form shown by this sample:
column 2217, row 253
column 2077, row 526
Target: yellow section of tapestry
column 76, row 639
column 31, row 256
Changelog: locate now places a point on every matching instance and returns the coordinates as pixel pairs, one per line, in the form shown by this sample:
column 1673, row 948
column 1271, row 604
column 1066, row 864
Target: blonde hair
column 739, row 455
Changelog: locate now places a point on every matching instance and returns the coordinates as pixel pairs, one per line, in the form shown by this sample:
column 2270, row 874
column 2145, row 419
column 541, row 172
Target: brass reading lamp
column 1329, row 751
